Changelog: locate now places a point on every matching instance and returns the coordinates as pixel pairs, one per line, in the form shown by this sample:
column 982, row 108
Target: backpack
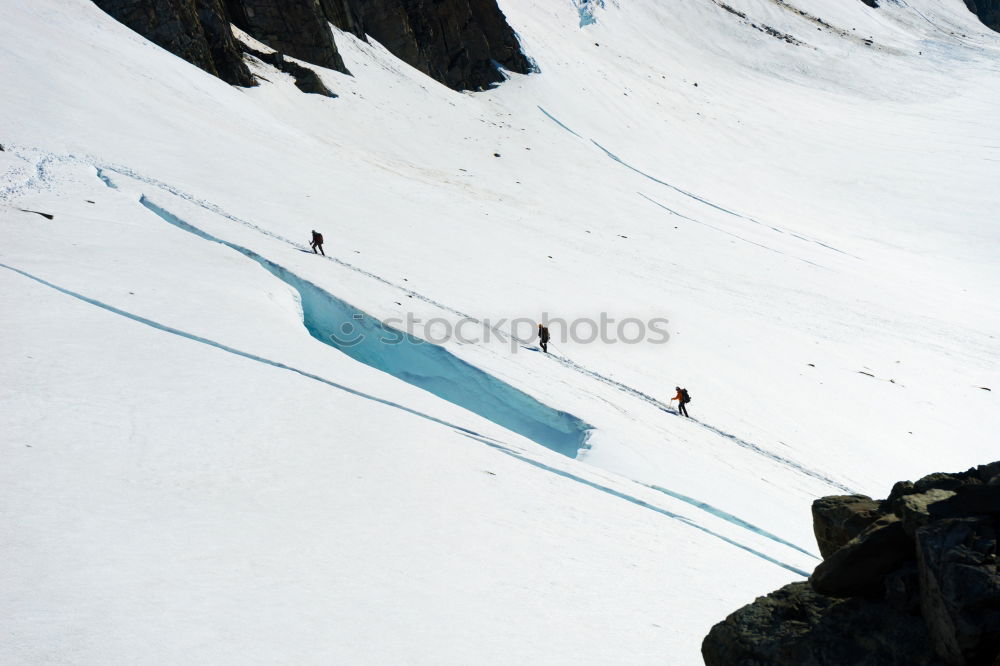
column 686, row 396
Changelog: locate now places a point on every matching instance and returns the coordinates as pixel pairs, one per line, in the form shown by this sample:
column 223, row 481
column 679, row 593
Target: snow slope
column 192, row 470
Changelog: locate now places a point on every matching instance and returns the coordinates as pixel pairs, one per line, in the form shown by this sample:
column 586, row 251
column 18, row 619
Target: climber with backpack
column 317, row 242
column 543, row 337
column 682, row 398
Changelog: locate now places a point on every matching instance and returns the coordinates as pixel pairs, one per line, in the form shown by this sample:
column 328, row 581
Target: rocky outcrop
column 297, row 28
column 988, row 12
column 915, row 582
column 859, row 568
column 461, row 43
column 458, row 42
column 798, row 626
column 196, row 30
column 306, row 79
column 840, row 518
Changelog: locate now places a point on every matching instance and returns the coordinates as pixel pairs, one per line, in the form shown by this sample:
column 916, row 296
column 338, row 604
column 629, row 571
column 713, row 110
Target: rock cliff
column 298, row 28
column 458, row 42
column 196, row 30
column 461, row 43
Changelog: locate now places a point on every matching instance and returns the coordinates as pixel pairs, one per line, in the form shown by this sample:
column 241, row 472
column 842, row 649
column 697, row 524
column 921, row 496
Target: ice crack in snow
column 340, row 325
column 564, row 361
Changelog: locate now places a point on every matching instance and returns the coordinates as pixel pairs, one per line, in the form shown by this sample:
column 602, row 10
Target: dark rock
column 297, row 28
column 987, row 473
column 195, row 30
column 972, row 500
column 937, row 481
column 47, row 216
column 915, row 509
column 899, row 490
column 342, row 14
column 795, row 626
column 461, row 43
column 306, row 79
column 917, row 586
column 223, row 47
column 988, row 12
column 838, row 519
column 960, row 588
column 945, row 481
column 871, row 3
column 860, row 567
column 902, row 589
column 457, row 42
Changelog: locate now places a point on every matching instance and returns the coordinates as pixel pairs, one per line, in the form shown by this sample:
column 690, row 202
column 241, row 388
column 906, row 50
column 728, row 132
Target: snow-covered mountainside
column 212, row 453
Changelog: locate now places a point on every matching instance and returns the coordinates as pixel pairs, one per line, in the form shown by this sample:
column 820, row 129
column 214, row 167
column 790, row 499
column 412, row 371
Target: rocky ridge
column 908, row 580
column 461, row 43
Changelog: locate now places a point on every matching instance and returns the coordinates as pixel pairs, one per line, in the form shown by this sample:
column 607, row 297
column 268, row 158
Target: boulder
column 795, row 626
column 840, row 518
column 859, row 568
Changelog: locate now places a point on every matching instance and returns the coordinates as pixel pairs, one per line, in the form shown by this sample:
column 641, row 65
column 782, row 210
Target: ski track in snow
column 570, row 451
column 430, row 367
column 495, row 444
column 41, row 176
column 720, row 230
column 172, row 219
column 730, row 518
column 687, row 521
column 770, row 455
column 232, row 350
column 774, row 457
column 558, row 122
column 702, row 200
column 128, row 173
column 951, row 35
